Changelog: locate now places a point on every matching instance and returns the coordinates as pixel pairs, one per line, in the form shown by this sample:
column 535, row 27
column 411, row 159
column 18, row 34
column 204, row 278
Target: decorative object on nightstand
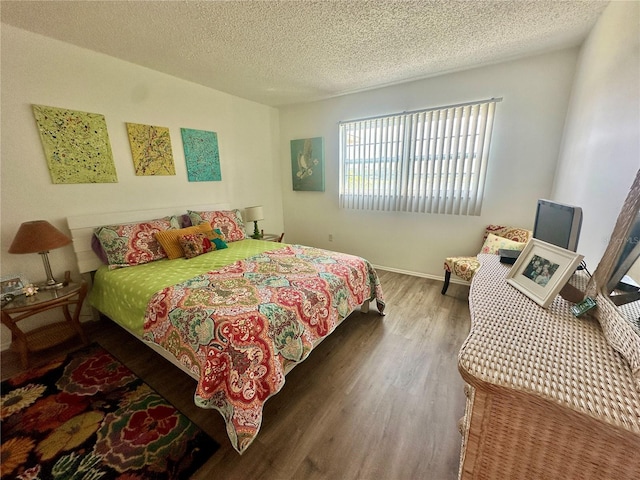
column 13, row 284
column 253, row 214
column 47, row 336
column 39, row 236
column 30, row 289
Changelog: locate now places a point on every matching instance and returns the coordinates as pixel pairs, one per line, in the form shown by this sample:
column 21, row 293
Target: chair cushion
column 463, row 267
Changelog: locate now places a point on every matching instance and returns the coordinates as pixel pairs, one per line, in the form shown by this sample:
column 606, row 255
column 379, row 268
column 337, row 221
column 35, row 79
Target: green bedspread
column 123, row 294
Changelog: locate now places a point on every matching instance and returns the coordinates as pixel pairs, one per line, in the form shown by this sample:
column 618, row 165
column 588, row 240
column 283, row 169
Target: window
column 427, row 161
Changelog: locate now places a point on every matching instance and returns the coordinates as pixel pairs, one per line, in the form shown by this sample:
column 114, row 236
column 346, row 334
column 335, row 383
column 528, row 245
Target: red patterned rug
column 87, row 416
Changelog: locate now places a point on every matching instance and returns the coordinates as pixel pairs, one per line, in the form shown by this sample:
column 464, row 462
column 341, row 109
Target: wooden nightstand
column 48, row 335
column 272, row 237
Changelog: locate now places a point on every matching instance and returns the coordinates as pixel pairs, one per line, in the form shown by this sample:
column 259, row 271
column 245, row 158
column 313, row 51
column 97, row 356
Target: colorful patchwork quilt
column 238, row 328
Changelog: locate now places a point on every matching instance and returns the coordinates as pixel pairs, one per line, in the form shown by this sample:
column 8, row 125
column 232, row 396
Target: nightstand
column 48, row 335
column 272, row 237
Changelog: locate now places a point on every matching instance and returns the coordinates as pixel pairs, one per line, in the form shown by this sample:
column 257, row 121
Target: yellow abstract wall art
column 151, row 149
column 76, row 145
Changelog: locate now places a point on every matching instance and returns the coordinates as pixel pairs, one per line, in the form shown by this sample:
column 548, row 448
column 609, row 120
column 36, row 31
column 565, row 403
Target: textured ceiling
column 284, row 52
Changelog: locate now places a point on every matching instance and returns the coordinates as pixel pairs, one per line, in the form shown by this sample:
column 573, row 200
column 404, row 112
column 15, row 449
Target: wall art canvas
column 76, row 145
column 201, row 155
column 151, row 149
column 307, row 164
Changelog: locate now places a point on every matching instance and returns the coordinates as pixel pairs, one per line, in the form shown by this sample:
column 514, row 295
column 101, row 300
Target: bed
column 236, row 316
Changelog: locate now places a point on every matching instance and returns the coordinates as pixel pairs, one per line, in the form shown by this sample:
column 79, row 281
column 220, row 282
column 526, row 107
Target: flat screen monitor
column 558, row 224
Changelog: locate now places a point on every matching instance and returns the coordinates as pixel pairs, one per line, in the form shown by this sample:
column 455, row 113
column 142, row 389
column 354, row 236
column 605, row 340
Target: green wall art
column 201, row 155
column 307, row 164
column 76, row 145
column 151, row 150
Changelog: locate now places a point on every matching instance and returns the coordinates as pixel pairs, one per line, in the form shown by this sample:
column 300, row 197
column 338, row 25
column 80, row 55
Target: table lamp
column 253, row 214
column 39, row 236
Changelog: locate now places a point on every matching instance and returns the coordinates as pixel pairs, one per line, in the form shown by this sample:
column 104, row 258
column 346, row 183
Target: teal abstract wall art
column 201, row 155
column 307, row 164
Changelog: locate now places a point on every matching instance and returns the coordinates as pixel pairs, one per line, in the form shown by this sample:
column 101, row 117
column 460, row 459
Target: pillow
column 194, row 244
column 511, row 233
column 96, row 246
column 493, row 243
column 215, row 236
column 170, row 239
column 229, row 222
column 185, row 220
column 134, row 243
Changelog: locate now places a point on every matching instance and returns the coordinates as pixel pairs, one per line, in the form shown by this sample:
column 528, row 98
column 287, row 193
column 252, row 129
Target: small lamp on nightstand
column 39, row 236
column 253, row 214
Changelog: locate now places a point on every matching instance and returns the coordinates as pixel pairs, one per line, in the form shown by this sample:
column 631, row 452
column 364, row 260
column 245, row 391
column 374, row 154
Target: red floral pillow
column 194, row 244
column 134, row 243
column 229, row 222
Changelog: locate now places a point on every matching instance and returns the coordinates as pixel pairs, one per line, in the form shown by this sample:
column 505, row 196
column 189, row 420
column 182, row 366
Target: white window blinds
column 427, row 161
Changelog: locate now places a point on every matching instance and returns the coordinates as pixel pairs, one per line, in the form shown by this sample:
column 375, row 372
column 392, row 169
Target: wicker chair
column 465, row 267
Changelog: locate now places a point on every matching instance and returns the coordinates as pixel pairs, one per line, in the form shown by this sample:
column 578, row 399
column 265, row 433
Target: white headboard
column 82, row 227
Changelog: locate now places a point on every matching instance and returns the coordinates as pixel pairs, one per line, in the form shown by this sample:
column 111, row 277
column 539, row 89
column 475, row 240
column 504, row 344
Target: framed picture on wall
column 307, row 164
column 76, row 145
column 542, row 269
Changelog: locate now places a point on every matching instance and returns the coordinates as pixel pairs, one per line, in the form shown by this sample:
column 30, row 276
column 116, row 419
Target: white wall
column 598, row 156
column 38, row 70
column 601, row 149
column 524, row 151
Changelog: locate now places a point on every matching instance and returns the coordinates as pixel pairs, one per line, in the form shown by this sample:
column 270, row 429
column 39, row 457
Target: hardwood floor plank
column 378, row 399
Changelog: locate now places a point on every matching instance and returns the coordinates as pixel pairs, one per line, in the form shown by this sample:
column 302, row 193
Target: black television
column 558, row 224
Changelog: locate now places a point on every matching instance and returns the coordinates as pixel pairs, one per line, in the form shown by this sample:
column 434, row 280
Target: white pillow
column 493, row 243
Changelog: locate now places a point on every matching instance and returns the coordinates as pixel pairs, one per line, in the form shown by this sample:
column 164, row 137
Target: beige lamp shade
column 253, row 214
column 38, row 236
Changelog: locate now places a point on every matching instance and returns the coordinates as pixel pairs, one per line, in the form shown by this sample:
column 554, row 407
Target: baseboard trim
column 420, row 274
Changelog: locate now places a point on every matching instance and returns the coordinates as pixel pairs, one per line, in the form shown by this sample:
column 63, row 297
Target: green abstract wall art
column 151, row 149
column 307, row 164
column 76, row 145
column 201, row 155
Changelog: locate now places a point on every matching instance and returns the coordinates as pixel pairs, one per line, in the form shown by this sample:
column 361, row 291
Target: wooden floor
column 379, row 399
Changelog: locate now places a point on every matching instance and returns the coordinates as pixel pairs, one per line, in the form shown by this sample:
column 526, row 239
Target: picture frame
column 542, row 269
column 307, row 164
column 13, row 284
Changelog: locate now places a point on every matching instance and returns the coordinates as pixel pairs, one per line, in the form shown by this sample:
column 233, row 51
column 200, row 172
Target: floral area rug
column 87, row 416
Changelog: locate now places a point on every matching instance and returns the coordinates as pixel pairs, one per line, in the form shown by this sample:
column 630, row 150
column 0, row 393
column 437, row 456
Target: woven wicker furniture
column 548, row 396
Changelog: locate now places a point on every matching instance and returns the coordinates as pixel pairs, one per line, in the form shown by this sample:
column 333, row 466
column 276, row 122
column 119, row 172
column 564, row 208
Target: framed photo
column 12, row 284
column 542, row 270
column 307, row 164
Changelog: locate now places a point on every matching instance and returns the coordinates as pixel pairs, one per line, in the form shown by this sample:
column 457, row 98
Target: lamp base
column 50, row 286
column 51, row 282
column 256, row 233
